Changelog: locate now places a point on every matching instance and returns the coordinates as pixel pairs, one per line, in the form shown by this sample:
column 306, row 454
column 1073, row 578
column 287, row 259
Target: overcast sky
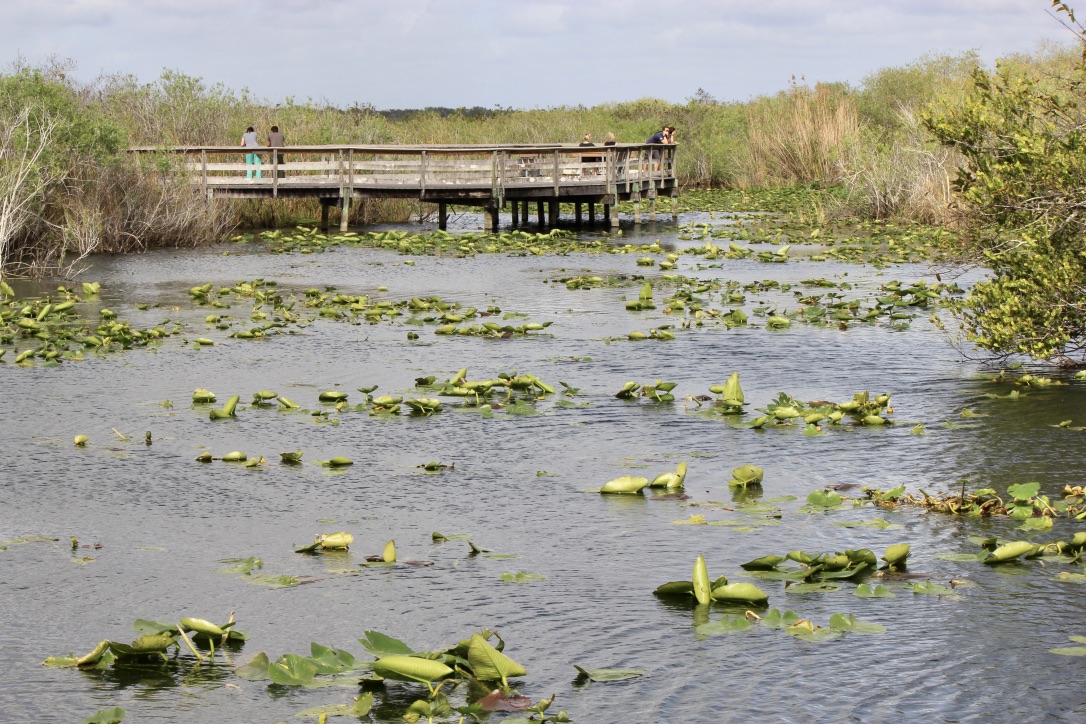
column 518, row 53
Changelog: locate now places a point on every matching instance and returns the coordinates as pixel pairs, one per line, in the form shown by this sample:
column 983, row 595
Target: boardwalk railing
column 475, row 175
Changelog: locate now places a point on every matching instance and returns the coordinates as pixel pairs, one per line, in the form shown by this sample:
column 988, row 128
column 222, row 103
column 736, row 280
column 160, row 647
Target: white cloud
column 512, row 52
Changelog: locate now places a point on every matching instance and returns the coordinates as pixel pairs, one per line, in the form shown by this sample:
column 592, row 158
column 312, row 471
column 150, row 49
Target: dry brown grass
column 800, row 137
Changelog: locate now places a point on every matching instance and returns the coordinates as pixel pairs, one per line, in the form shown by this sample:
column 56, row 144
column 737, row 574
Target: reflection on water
column 521, row 485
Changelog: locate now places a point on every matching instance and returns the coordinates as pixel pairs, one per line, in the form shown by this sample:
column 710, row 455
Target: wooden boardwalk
column 492, row 177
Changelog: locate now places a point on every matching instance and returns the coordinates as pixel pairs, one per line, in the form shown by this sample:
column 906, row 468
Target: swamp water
column 522, row 485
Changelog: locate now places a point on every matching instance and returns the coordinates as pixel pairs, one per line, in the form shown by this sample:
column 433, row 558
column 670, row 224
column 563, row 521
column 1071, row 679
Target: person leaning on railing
column 277, row 140
column 664, row 136
column 252, row 158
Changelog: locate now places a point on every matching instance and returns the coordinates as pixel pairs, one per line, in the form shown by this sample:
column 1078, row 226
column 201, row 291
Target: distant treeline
column 67, row 187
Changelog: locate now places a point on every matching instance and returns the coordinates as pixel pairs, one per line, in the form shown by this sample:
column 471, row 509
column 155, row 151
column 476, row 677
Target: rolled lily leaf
column 702, row 591
column 235, row 457
column 489, row 664
column 336, row 541
column 388, row 555
column 627, row 484
column 332, row 396
column 411, row 669
column 81, row 440
column 201, row 395
column 665, row 480
column 1010, row 552
column 291, row 457
column 740, row 593
column 896, row 555
column 94, row 656
column 142, row 646
column 732, row 393
column 747, row 475
column 202, row 626
column 339, row 462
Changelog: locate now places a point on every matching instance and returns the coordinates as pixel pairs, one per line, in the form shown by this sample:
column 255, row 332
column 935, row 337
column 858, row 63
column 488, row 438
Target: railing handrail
column 401, row 149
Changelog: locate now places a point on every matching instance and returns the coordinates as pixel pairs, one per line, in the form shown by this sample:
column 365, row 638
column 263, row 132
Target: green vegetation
column 1021, row 137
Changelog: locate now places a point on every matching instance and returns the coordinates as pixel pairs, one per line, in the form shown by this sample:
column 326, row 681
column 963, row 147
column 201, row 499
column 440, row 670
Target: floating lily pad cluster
column 658, row 391
column 632, row 485
column 862, row 408
column 474, row 661
column 1022, row 501
column 704, row 591
column 155, row 640
column 846, row 565
column 307, row 240
column 51, row 329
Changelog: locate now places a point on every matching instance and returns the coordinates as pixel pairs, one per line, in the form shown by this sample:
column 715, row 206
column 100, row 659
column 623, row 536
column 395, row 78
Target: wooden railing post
column 422, row 175
column 557, row 172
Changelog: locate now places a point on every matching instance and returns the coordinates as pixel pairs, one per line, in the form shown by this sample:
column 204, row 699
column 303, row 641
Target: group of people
column 249, row 139
column 665, row 135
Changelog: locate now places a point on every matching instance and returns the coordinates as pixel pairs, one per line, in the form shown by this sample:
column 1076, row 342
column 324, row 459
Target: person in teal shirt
column 249, row 140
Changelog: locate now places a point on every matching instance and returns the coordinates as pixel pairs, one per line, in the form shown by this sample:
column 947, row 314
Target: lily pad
column 292, row 670
column 879, row 591
column 522, row 577
column 812, row 588
column 724, row 625
column 381, row 645
column 256, row 669
column 113, row 715
column 608, row 674
column 848, row 623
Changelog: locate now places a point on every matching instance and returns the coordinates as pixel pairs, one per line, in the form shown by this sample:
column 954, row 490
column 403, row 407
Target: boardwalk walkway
column 493, row 177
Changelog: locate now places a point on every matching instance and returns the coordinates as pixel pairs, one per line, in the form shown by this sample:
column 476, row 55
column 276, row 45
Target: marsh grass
column 77, row 192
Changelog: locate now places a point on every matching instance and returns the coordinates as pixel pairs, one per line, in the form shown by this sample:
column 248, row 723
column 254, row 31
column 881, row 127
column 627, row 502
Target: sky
column 511, row 53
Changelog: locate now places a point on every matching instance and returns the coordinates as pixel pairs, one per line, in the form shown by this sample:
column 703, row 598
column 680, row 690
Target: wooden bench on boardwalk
column 492, row 177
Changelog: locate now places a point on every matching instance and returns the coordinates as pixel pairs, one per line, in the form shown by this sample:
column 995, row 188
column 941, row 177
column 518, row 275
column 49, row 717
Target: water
column 521, row 485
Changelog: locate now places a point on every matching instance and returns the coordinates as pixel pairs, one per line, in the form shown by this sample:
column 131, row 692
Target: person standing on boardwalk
column 586, row 141
column 252, row 158
column 277, row 140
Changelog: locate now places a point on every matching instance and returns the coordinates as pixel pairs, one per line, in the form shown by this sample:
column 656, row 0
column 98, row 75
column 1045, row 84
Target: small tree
column 1022, row 187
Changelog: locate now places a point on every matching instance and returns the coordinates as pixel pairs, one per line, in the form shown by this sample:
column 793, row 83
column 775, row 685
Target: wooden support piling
column 442, row 215
column 539, row 211
column 523, row 213
column 514, row 215
column 345, row 212
column 591, row 214
column 324, row 215
column 577, row 212
column 613, row 213
column 552, row 213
